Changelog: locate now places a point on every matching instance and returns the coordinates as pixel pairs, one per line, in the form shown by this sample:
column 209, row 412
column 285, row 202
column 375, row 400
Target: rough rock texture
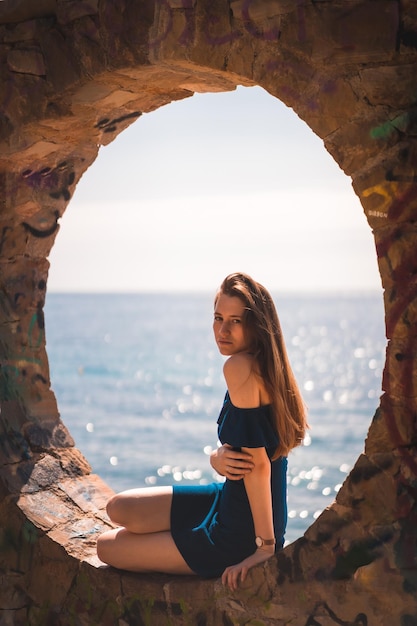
column 74, row 74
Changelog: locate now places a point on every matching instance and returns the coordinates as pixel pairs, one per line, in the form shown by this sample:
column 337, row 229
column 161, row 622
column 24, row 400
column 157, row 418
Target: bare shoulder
column 243, row 383
column 238, row 367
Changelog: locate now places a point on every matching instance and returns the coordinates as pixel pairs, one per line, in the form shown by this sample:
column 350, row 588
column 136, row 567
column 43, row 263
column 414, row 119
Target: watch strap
column 264, row 542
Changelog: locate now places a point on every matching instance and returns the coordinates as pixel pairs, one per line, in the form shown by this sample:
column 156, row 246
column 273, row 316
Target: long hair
column 262, row 323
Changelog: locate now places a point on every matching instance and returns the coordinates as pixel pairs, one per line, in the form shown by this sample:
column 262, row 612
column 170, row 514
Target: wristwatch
column 264, row 542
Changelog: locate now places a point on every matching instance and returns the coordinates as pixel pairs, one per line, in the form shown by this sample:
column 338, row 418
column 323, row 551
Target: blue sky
column 209, row 185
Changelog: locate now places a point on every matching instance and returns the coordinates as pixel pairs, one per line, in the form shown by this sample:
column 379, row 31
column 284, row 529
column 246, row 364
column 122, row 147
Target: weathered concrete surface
column 76, row 73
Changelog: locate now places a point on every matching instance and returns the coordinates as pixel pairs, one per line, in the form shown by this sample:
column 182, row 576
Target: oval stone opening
column 74, row 75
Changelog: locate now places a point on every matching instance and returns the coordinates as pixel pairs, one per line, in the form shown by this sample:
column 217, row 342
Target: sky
column 209, row 185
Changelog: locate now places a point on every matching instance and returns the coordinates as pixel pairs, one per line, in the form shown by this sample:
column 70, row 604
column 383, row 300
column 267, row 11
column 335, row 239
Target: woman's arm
column 245, row 389
column 258, row 488
column 230, row 463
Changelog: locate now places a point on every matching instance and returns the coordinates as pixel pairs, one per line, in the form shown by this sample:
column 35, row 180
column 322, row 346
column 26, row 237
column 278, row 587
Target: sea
column 139, row 384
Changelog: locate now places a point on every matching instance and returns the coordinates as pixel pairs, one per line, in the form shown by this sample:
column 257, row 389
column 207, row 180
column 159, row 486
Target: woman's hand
column 231, row 574
column 230, row 463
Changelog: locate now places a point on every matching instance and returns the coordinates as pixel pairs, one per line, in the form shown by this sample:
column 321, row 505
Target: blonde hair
column 262, row 323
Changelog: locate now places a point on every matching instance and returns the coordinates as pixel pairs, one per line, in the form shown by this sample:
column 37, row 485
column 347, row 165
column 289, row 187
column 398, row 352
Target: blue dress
column 212, row 525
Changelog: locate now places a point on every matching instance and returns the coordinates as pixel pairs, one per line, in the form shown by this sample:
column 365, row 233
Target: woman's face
column 228, row 326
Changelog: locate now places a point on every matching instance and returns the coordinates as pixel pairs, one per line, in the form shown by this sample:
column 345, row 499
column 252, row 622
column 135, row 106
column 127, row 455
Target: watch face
column 259, row 542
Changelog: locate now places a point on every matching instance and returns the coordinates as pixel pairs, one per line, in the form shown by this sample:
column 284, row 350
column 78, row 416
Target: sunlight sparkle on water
column 328, row 395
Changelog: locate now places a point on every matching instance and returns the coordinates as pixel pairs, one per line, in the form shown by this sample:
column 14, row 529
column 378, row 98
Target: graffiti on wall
column 323, row 611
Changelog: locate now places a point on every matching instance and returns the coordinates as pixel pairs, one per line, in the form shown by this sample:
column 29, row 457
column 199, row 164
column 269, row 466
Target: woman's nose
column 224, row 328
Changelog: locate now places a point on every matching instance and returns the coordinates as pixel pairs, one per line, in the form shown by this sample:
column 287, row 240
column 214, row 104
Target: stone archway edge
column 76, row 73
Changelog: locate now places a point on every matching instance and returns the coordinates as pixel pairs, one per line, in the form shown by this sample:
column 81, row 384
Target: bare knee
column 105, row 544
column 115, row 509
column 126, row 509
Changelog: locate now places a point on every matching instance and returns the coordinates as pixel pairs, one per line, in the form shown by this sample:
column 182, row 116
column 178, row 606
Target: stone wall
column 76, row 73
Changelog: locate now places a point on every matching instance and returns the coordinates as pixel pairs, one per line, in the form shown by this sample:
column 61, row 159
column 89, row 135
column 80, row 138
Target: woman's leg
column 144, row 544
column 142, row 511
column 153, row 552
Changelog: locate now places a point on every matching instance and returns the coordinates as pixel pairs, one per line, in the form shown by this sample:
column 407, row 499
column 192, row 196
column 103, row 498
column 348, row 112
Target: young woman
column 224, row 529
